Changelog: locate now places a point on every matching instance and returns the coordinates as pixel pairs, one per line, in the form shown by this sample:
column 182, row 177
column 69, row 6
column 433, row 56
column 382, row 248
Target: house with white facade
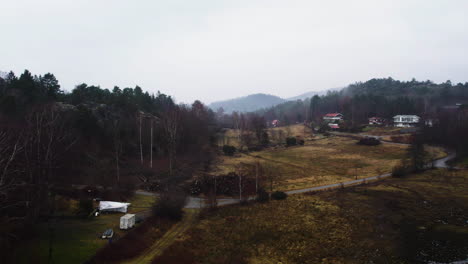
column 406, row 120
column 333, row 117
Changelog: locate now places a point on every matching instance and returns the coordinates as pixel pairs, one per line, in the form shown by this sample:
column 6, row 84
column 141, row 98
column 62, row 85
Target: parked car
column 109, row 233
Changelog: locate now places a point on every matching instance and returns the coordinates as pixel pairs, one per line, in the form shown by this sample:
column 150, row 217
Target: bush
column 301, row 142
column 255, row 148
column 279, row 195
column 229, row 150
column 85, row 207
column 399, row 171
column 324, row 127
column 369, row 141
column 262, row 196
column 291, row 141
column 170, row 205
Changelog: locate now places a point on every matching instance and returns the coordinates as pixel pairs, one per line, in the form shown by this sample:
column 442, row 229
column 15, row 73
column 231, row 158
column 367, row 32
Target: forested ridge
column 377, row 97
column 117, row 139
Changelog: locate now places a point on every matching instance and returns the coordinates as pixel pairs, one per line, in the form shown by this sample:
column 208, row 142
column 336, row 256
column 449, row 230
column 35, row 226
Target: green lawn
column 76, row 240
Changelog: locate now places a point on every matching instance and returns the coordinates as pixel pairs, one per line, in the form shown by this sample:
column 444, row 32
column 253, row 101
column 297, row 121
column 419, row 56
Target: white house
column 333, row 117
column 406, row 120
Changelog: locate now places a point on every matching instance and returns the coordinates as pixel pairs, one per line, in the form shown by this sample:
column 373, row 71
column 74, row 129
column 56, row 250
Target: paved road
column 195, row 202
column 442, row 163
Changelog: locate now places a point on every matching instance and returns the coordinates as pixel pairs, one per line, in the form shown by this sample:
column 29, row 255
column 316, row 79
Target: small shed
column 127, row 221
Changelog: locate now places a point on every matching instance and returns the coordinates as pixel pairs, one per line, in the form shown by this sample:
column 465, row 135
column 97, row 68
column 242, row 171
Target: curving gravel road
column 195, row 202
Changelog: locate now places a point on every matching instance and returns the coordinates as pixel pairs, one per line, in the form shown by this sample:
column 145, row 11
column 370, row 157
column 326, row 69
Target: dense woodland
column 377, row 97
column 445, row 104
column 119, row 138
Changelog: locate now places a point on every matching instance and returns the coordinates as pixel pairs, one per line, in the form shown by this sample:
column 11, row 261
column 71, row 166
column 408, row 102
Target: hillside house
column 333, row 117
column 376, row 120
column 406, row 120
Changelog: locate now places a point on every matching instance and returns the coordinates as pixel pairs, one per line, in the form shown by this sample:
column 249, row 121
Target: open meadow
column 320, row 162
column 417, row 219
column 276, row 135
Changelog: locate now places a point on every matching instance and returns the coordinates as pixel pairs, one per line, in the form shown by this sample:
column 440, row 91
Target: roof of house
column 333, row 114
column 414, row 116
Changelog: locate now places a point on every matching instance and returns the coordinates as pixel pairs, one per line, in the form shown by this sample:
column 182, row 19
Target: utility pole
column 141, row 144
column 151, row 145
column 256, row 177
column 240, row 187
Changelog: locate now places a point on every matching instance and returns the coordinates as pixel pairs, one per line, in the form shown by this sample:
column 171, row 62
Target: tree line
column 118, row 138
column 377, row 97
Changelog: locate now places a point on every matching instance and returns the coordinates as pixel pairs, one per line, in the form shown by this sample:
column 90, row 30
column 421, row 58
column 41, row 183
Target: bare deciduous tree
column 10, row 148
column 171, row 125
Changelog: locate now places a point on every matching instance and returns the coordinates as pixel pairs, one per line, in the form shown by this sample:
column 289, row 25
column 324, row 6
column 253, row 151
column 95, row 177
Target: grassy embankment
column 416, row 219
column 76, row 240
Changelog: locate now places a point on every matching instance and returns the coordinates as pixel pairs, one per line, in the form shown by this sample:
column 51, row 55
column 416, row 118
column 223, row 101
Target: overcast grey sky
column 219, row 49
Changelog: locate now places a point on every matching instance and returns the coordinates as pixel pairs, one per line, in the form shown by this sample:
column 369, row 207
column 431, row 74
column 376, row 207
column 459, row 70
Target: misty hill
column 248, row 103
column 3, row 75
column 312, row 93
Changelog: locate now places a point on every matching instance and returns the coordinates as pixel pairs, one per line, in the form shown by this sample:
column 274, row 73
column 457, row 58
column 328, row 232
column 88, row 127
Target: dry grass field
column 381, row 131
column 320, row 162
column 277, row 135
column 418, row 219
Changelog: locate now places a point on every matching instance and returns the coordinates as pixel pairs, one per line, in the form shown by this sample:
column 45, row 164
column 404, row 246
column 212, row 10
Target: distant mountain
column 248, row 103
column 3, row 75
column 312, row 93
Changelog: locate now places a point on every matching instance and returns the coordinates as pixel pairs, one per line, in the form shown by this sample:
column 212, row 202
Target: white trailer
column 127, row 221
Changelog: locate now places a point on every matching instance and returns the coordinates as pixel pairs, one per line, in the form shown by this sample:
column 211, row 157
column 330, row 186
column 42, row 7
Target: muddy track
column 164, row 242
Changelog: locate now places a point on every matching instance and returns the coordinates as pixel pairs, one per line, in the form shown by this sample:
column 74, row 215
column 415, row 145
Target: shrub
column 255, row 148
column 229, row 150
column 279, row 195
column 85, row 207
column 369, row 141
column 262, row 196
column 324, row 127
column 399, row 171
column 226, row 184
column 170, row 205
column 301, row 142
column 291, row 141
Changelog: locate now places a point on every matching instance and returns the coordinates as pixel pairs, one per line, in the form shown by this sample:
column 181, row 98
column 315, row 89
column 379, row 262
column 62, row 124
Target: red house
column 333, row 117
column 376, row 120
